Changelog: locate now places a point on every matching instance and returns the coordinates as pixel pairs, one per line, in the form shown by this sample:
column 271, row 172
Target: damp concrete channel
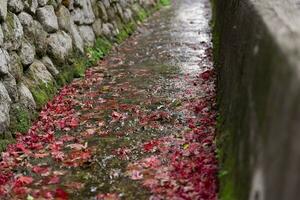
column 141, row 92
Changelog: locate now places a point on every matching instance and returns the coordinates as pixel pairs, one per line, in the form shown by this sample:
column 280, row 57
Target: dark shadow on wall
column 258, row 99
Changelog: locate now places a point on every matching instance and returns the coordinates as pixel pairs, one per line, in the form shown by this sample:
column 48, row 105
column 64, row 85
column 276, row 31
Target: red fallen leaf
column 2, row 192
column 4, row 178
column 149, row 146
column 101, row 123
column 61, row 194
column 77, row 146
column 23, row 180
column 77, row 158
column 151, row 162
column 136, row 175
column 122, row 152
column 74, row 123
column 61, row 124
column 59, row 173
column 22, row 147
column 20, row 190
column 67, row 138
column 40, row 170
column 36, row 146
column 88, row 132
column 207, row 75
column 75, row 185
column 53, row 180
column 58, row 155
column 150, row 182
column 116, row 116
column 40, row 155
column 107, row 196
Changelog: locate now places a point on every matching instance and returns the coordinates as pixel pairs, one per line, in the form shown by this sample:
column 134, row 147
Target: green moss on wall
column 165, row 2
column 101, row 48
column 42, row 93
column 125, row 32
column 65, row 76
column 226, row 160
column 20, row 119
column 79, row 68
column 140, row 13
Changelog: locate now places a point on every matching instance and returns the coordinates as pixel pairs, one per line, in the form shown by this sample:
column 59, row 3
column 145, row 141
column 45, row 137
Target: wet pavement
column 124, row 130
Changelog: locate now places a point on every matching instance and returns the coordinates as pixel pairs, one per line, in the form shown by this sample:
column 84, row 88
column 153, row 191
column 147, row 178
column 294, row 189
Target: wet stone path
column 140, row 125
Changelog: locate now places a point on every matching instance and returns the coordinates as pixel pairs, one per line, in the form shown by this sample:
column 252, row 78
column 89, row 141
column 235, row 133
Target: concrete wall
column 41, row 42
column 257, row 49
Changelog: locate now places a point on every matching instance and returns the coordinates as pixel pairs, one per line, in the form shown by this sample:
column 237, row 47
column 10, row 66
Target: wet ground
column 140, row 124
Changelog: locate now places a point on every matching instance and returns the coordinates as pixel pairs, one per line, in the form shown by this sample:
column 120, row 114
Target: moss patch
column 101, row 48
column 65, row 76
column 125, row 32
column 20, row 120
column 140, row 13
column 226, row 157
column 42, row 93
column 79, row 68
column 165, row 2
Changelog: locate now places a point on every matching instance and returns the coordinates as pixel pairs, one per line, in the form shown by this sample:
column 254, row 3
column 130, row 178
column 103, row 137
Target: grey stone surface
column 64, row 18
column 5, row 102
column 59, row 46
column 39, row 74
column 16, row 6
column 3, row 62
column 50, row 66
column 47, row 18
column 102, row 11
column 15, row 66
column 87, row 34
column 11, row 86
column 127, row 15
column 83, row 14
column 25, row 19
column 27, row 53
column 13, row 32
column 66, row 23
column 31, row 5
column 106, row 3
column 3, row 10
column 1, row 37
column 119, row 10
column 77, row 40
column 42, row 2
column 36, row 34
column 26, row 97
column 97, row 27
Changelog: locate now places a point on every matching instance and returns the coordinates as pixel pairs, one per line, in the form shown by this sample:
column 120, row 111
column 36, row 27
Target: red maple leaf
column 61, row 194
column 23, row 180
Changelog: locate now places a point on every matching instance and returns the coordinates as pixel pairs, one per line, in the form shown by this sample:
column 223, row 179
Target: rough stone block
column 47, row 18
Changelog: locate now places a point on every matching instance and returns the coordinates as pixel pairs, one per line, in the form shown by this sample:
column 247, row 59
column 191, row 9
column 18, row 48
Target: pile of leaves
column 184, row 166
column 25, row 167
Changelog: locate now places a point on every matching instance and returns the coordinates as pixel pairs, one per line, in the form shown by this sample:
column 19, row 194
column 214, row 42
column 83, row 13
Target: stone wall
column 257, row 49
column 43, row 43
